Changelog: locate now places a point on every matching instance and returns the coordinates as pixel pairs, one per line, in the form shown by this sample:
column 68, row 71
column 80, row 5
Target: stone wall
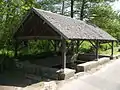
column 89, row 57
column 38, row 70
column 51, row 61
column 84, row 67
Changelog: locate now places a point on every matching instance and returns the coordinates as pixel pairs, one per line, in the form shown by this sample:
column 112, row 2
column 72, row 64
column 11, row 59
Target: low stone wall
column 68, row 73
column 38, row 70
column 42, row 71
column 91, row 64
column 51, row 61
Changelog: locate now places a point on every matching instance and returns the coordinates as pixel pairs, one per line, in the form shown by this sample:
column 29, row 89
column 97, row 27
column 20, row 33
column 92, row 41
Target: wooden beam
column 52, row 42
column 39, row 37
column 63, row 54
column 92, row 44
column 80, row 43
column 110, row 45
column 77, row 44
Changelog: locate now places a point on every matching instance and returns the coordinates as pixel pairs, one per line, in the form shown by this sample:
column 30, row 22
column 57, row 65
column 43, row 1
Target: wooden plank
column 39, row 37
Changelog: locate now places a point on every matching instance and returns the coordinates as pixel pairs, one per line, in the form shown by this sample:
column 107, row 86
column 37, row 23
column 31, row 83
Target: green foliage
column 85, row 47
column 106, row 18
column 11, row 13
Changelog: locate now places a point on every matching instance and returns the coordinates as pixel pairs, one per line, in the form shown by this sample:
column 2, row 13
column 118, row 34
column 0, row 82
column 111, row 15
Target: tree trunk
column 72, row 4
column 63, row 6
column 82, row 10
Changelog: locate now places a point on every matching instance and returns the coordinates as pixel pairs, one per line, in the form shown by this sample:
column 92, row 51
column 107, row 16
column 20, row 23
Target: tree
column 106, row 18
column 82, row 10
column 49, row 5
column 11, row 14
column 83, row 7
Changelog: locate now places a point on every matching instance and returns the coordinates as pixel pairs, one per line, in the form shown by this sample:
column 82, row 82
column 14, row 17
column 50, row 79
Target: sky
column 116, row 5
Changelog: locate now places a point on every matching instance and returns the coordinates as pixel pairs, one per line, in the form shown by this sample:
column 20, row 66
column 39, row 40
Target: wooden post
column 72, row 46
column 63, row 54
column 97, row 47
column 77, row 49
column 16, row 47
column 55, row 45
column 112, row 49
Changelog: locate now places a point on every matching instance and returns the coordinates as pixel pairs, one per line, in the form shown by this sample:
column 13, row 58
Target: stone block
column 65, row 74
column 86, row 66
column 91, row 64
column 102, row 60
